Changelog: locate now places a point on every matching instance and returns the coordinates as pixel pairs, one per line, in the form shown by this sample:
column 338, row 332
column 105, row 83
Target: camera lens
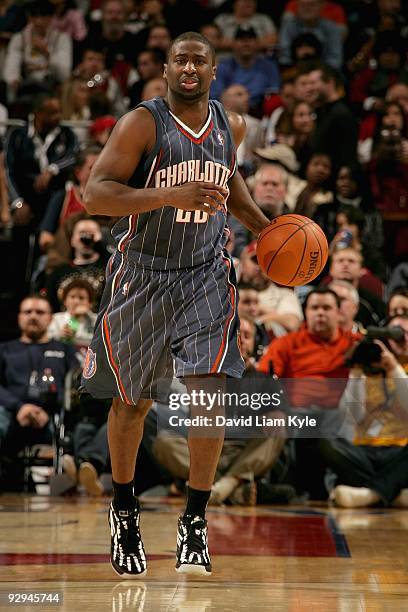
column 87, row 239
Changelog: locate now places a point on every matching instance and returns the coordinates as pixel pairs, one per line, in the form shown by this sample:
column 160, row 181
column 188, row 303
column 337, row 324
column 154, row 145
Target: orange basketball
column 292, row 250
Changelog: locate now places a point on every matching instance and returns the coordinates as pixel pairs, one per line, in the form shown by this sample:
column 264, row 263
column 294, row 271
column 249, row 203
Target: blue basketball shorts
column 156, row 324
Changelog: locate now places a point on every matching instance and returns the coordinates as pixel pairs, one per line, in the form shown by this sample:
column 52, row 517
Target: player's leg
column 125, row 430
column 205, row 445
column 204, row 343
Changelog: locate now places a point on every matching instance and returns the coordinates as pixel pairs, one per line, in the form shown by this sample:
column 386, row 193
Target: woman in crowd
column 318, row 189
column 352, row 190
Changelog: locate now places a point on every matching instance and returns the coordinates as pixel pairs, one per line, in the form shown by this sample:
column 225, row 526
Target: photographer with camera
column 374, row 467
column 32, row 375
column 88, row 261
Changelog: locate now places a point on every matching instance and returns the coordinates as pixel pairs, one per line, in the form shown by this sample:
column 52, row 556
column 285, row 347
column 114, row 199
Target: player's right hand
column 208, row 197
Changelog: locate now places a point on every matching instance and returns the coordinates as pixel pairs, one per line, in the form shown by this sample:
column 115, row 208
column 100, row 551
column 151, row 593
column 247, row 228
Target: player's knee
column 129, row 412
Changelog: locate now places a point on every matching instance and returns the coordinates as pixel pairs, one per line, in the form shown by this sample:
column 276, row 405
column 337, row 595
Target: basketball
column 292, row 250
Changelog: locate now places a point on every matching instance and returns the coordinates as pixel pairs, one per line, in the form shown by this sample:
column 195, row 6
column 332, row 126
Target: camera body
column 391, row 140
column 367, row 352
column 42, row 390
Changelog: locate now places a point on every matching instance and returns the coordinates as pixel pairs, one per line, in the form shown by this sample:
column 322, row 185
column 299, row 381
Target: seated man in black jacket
column 39, row 160
column 32, row 375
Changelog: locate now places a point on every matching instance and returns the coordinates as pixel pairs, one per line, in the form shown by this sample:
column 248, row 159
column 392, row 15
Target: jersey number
column 196, row 216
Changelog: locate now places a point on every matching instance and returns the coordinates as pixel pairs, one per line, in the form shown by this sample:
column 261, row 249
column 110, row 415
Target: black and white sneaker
column 192, row 546
column 128, row 556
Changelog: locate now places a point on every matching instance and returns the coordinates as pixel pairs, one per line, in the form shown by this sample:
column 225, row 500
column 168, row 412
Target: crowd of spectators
column 323, row 88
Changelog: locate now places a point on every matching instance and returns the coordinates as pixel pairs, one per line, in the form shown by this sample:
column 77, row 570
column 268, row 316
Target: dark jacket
column 336, row 133
column 24, row 149
column 18, row 363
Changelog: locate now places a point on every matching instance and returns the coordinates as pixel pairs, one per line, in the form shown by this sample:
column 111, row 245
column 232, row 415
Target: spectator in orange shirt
column 314, row 357
column 315, row 352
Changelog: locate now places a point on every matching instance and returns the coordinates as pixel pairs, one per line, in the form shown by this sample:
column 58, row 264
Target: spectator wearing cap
column 308, row 19
column 249, row 68
column 285, row 157
column 244, row 13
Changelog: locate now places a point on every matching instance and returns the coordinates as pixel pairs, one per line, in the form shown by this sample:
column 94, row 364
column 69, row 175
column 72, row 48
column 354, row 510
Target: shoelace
column 194, row 540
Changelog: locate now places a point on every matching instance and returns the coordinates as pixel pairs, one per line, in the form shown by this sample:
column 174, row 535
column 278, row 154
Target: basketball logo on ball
column 292, row 250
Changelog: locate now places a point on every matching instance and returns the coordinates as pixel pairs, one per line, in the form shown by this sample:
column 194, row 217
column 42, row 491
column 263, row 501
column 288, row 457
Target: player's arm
column 240, row 202
column 107, row 191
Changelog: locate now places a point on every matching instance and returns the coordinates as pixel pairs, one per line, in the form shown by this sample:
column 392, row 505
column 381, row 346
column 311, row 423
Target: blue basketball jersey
column 169, row 238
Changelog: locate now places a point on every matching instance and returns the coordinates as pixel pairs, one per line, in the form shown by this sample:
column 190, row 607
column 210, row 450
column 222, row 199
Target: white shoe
column 402, row 500
column 354, row 497
column 89, row 479
column 222, row 489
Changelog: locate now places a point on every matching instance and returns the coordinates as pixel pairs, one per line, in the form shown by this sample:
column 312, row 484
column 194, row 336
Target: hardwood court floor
column 267, row 558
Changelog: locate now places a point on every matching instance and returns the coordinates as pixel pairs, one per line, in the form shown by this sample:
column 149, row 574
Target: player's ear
column 214, row 71
column 165, row 70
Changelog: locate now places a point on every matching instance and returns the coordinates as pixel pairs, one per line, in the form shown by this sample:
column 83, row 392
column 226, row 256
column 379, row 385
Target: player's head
column 190, row 67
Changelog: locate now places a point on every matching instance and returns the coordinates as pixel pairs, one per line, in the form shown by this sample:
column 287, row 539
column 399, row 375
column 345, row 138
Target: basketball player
column 169, row 169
